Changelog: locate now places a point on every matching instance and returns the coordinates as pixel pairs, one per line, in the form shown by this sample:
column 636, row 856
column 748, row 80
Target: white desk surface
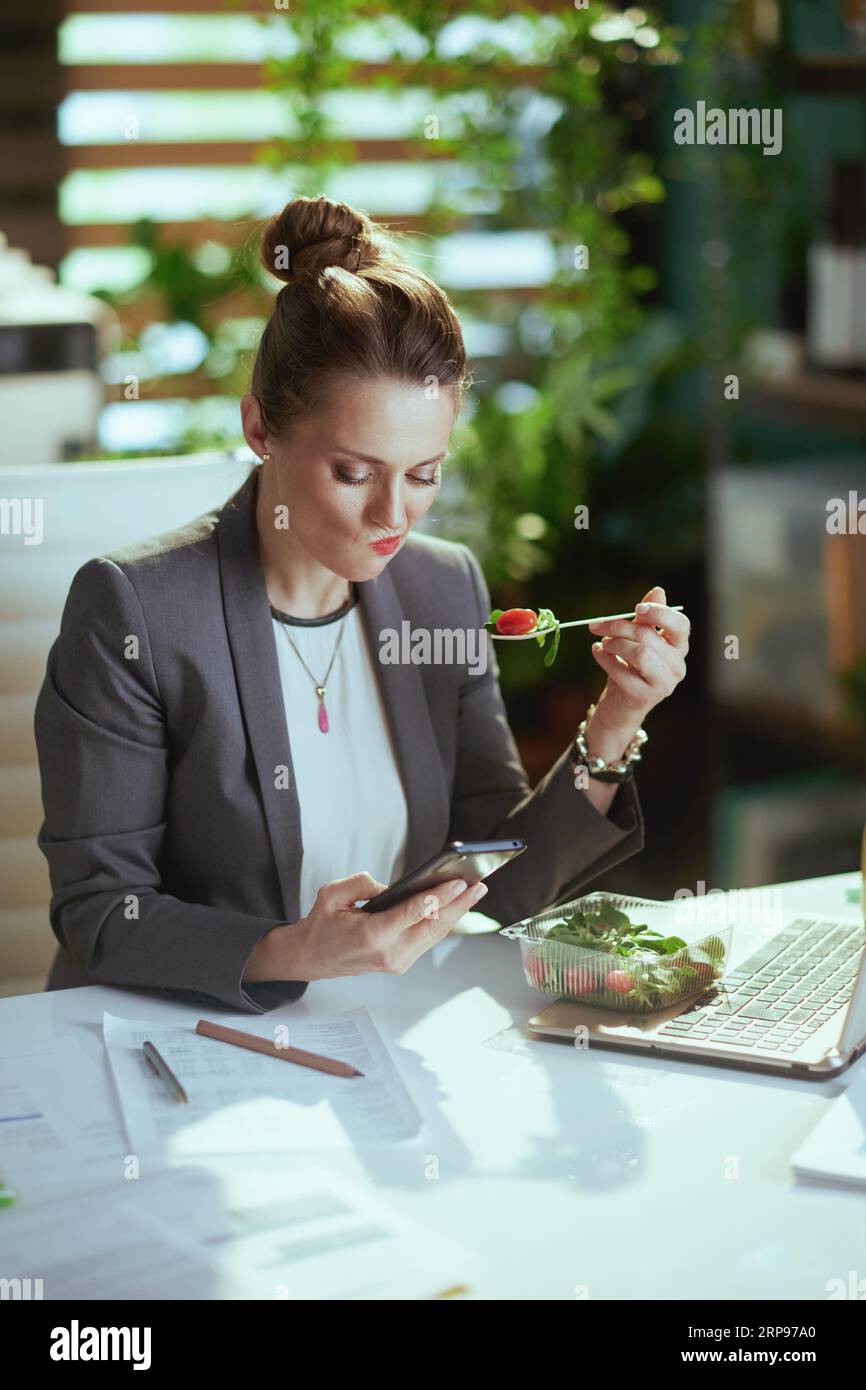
column 568, row 1173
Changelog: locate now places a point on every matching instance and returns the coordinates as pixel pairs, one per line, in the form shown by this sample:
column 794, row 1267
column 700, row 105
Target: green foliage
column 178, row 280
column 853, row 685
column 576, row 175
column 546, row 625
column 651, row 971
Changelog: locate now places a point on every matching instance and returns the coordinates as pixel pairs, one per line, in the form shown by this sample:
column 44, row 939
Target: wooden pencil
column 270, row 1049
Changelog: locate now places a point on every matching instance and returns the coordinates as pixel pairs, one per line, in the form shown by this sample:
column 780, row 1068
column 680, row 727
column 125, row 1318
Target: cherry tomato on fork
column 515, row 622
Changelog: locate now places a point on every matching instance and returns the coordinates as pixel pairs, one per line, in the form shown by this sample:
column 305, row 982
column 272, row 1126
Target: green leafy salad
column 636, row 967
column 525, row 622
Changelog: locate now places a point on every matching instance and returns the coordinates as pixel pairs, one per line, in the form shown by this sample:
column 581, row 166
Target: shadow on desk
column 596, row 1142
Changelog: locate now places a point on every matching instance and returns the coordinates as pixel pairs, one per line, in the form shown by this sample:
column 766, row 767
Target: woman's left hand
column 651, row 664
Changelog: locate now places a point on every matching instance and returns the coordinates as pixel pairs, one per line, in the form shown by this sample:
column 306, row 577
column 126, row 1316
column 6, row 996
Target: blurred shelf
column 811, row 398
column 181, row 386
column 369, row 8
column 832, row 74
column 273, row 75
column 228, row 232
column 170, row 154
column 773, row 721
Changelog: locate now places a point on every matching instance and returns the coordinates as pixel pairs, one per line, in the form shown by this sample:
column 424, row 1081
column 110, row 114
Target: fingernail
column 642, row 608
column 458, row 888
column 597, row 647
column 479, row 892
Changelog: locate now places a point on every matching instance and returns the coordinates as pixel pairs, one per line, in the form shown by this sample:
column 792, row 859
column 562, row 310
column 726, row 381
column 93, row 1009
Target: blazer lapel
column 418, row 754
column 250, row 633
column 254, row 654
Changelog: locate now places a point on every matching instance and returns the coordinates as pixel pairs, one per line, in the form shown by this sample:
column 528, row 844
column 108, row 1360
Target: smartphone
column 471, row 860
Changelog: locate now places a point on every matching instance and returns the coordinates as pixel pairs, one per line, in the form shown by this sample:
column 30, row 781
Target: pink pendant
column 323, row 717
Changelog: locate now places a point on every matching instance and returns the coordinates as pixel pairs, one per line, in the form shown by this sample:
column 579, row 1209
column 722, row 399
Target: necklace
column 321, row 687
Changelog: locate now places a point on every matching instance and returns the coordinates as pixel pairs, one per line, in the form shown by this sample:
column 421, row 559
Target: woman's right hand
column 337, row 938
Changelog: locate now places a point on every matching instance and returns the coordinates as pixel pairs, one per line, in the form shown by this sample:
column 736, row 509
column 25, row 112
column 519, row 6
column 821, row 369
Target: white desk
column 566, row 1170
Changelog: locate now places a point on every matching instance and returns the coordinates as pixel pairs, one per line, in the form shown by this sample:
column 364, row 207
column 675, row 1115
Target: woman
column 227, row 765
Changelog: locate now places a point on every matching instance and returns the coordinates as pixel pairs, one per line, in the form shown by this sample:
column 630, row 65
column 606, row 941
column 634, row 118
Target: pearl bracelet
column 619, row 769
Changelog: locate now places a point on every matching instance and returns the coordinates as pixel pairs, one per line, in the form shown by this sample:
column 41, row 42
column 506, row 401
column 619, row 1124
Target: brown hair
column 352, row 308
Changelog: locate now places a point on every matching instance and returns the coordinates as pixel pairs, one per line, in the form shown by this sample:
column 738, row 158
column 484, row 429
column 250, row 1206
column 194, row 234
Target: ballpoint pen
column 161, row 1067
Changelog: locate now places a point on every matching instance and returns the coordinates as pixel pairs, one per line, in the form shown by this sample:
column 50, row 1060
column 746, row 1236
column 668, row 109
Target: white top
column 354, row 816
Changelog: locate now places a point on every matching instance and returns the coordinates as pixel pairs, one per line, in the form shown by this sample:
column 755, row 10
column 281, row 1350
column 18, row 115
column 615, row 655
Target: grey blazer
column 159, row 727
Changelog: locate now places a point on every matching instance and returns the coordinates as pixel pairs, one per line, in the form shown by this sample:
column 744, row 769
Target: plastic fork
column 577, row 622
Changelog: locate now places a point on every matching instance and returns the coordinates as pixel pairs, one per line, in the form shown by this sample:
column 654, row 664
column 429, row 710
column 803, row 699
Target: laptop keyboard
column 783, row 993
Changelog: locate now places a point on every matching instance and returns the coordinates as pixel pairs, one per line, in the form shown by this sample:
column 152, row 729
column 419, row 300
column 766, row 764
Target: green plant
column 545, row 625
column 547, row 142
column 597, row 953
column 853, row 683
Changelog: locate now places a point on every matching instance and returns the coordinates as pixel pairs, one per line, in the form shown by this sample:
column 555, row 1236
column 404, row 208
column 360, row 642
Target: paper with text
column 246, row 1102
column 57, row 1128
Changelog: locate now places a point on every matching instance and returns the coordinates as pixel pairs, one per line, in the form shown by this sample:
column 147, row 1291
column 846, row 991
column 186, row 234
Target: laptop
column 796, row 1006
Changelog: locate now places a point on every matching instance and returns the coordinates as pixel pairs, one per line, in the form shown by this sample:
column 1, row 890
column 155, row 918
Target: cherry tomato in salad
column 536, row 969
column 515, row 622
column 620, row 982
column 703, row 971
column 579, row 981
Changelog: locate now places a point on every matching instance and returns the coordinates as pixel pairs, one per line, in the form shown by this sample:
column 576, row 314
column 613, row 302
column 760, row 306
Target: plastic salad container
column 620, row 953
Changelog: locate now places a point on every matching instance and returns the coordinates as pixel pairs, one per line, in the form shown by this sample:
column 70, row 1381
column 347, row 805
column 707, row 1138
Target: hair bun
column 311, row 234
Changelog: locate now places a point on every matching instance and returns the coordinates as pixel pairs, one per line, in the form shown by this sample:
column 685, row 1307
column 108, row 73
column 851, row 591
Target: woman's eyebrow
column 368, row 458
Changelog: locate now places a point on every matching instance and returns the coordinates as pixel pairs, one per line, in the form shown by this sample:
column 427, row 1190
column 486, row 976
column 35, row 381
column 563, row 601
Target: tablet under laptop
column 797, row 1005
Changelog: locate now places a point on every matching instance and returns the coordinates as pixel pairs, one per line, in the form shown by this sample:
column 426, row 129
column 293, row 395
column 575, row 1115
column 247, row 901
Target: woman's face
column 361, row 472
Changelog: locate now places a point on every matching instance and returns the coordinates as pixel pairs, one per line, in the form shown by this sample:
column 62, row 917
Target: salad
column 621, row 964
column 520, row 622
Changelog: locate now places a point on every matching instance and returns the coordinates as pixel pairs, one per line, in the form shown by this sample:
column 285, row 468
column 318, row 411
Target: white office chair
column 88, row 509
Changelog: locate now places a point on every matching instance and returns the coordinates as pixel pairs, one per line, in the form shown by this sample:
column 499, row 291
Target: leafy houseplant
column 549, row 142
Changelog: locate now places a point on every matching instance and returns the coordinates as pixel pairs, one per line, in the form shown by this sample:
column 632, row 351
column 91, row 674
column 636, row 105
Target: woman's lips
column 386, row 547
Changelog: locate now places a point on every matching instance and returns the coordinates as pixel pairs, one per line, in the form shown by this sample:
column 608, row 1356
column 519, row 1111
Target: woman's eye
column 350, row 481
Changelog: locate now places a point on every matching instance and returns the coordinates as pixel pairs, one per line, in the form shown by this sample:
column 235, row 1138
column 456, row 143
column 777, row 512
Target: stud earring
column 265, row 456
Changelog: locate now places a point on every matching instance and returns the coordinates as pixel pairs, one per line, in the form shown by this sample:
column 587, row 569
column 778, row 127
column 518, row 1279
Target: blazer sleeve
column 104, row 765
column 569, row 842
